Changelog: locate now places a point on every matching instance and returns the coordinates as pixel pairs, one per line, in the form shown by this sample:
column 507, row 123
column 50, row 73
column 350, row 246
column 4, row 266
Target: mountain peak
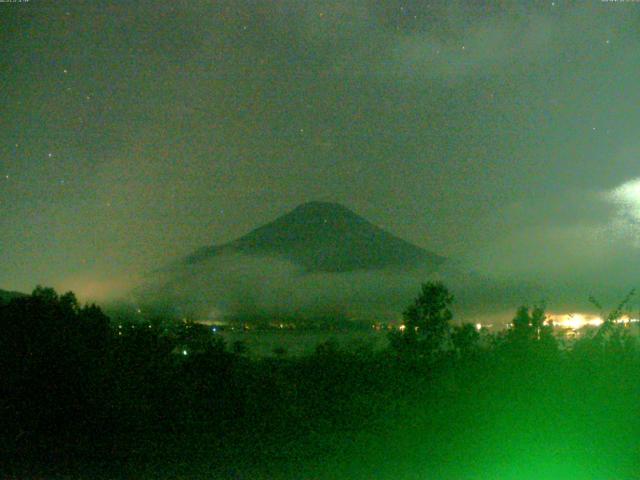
column 325, row 237
column 327, row 213
column 317, row 206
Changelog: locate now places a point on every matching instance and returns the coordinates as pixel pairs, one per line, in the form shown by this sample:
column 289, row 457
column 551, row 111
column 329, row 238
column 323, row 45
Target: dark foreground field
column 85, row 399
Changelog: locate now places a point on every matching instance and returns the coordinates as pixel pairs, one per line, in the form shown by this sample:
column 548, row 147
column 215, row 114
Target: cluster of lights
column 576, row 321
column 478, row 326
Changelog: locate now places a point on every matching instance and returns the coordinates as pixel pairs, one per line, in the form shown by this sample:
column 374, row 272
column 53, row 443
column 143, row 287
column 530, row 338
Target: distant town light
column 576, row 321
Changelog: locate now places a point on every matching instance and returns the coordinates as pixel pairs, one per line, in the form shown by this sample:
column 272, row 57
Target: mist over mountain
column 318, row 259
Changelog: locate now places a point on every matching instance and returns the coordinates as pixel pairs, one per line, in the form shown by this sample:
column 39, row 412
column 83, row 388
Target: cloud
column 570, row 244
column 236, row 284
column 489, row 46
column 627, row 198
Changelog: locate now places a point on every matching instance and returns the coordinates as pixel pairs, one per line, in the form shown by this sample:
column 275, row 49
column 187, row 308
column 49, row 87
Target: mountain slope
column 316, row 260
column 325, row 237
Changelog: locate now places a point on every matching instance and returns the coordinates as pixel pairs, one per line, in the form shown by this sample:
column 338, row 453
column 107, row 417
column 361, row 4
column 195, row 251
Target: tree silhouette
column 51, row 349
column 465, row 338
column 612, row 335
column 530, row 334
column 426, row 320
column 429, row 313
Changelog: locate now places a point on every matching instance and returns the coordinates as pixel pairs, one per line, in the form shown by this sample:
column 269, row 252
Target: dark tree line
column 75, row 387
column 51, row 353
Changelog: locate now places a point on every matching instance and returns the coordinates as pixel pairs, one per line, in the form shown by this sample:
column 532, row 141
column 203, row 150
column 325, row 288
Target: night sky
column 502, row 134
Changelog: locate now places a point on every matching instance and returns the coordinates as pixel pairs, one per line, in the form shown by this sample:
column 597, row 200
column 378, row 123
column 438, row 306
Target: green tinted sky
column 133, row 132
